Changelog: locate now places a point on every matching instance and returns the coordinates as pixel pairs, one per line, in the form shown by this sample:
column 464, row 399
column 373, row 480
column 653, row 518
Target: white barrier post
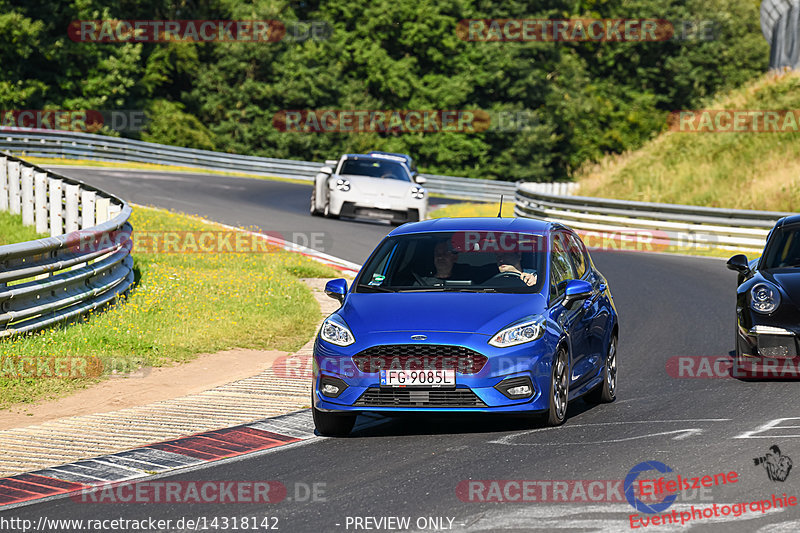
column 13, row 188
column 27, row 196
column 56, row 200
column 71, row 215
column 3, row 184
column 87, row 209
column 102, row 206
column 40, row 201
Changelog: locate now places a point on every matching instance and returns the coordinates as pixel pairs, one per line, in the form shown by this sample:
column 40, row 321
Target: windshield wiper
column 423, row 289
column 449, row 289
column 373, row 288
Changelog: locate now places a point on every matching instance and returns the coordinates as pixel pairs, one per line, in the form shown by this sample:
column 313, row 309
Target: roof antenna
column 500, row 212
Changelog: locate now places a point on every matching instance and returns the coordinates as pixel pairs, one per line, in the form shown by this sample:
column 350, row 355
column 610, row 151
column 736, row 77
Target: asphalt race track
column 669, row 306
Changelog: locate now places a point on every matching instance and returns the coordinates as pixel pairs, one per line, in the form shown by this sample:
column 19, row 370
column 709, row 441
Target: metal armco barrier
column 76, row 145
column 667, row 224
column 83, row 265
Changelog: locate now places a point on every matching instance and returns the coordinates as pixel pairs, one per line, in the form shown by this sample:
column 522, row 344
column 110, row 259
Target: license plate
column 418, row 378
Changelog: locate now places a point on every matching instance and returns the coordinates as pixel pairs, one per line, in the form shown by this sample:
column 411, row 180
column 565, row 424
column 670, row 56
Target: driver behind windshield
column 511, row 263
column 444, row 264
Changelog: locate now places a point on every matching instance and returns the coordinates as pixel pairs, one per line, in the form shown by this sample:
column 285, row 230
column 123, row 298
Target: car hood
column 378, row 186
column 788, row 279
column 462, row 312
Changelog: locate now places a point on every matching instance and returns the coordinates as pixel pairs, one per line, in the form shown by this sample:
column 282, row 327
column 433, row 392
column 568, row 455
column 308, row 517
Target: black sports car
column 768, row 303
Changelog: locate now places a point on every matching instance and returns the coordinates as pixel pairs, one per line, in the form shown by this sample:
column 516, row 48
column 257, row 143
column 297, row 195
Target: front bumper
column 476, row 392
column 768, row 350
column 393, row 210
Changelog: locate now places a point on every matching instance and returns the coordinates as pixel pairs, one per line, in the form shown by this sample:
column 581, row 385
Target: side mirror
column 419, row 179
column 576, row 290
column 336, row 289
column 326, row 170
column 739, row 263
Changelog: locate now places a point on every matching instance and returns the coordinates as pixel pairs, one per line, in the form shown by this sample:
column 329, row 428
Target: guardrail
column 83, row 265
column 77, row 145
column 686, row 226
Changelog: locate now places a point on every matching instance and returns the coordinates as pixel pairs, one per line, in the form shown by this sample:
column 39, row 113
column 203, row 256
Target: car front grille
column 377, row 397
column 419, row 357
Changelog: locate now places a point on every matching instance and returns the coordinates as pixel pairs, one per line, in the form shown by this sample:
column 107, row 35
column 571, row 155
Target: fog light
column 516, row 388
column 330, row 390
column 331, row 387
column 522, row 390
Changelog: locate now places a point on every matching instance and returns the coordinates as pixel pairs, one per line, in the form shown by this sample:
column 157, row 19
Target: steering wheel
column 504, row 275
column 418, row 279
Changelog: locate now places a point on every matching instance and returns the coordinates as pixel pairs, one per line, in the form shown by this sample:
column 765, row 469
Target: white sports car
column 377, row 185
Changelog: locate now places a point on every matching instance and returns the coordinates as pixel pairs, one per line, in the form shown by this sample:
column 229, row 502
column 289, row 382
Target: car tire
column 313, row 208
column 333, row 424
column 559, row 389
column 606, row 392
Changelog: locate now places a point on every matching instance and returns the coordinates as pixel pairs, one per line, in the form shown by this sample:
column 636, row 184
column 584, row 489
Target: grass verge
column 12, row 231
column 742, row 170
column 473, row 209
column 183, row 304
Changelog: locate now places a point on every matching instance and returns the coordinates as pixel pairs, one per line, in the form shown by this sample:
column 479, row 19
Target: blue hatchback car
column 480, row 315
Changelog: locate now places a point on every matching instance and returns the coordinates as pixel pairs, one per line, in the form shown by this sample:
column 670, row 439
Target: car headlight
column 418, row 193
column 519, row 333
column 343, row 185
column 336, row 333
column 764, row 298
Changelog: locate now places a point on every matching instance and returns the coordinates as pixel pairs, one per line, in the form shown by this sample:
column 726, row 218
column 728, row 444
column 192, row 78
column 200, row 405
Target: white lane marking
column 507, row 439
column 114, row 466
column 681, row 434
column 772, row 424
column 783, row 527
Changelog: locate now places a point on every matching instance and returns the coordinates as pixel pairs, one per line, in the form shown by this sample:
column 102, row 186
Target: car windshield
column 464, row 261
column 783, row 249
column 375, row 168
